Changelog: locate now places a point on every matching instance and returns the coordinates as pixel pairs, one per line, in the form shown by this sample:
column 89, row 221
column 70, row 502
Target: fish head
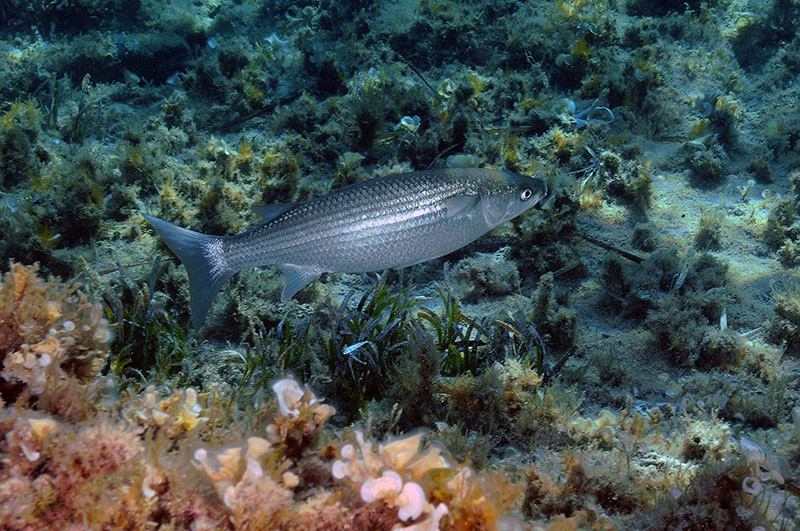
column 509, row 195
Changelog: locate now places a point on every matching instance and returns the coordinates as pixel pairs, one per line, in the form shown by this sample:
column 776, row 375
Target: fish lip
column 543, row 198
column 541, row 201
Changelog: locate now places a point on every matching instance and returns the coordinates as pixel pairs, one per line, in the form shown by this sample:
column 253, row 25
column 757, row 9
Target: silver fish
column 393, row 221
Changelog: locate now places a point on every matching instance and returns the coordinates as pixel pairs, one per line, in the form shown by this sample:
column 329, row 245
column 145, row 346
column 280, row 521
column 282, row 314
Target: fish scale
column 392, row 221
column 340, row 221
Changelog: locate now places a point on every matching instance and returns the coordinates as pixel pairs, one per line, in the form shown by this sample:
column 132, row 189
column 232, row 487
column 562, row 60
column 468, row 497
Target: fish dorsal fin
column 297, row 277
column 270, row 212
column 459, row 205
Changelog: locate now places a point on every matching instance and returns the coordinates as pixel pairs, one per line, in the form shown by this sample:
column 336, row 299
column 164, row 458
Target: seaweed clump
column 19, row 129
column 689, row 322
column 148, row 339
column 49, row 333
column 784, row 326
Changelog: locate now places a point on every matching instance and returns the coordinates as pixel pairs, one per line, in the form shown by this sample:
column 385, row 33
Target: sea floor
column 624, row 357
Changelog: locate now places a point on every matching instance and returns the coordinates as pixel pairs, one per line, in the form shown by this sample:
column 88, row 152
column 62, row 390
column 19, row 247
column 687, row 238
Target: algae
column 623, row 358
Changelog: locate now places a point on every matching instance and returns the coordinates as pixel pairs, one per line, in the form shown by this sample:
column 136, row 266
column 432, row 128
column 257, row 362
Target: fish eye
column 526, row 194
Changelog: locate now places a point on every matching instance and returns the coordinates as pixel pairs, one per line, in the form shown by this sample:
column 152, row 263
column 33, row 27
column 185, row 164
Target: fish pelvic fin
column 204, row 259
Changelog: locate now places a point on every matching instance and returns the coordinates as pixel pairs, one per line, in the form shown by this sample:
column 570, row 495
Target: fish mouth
column 542, row 200
column 542, row 196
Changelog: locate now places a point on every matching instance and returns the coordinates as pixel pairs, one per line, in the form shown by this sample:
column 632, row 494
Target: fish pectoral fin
column 270, row 212
column 460, row 204
column 297, row 277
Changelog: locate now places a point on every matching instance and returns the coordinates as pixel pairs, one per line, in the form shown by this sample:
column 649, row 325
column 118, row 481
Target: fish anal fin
column 297, row 277
column 270, row 212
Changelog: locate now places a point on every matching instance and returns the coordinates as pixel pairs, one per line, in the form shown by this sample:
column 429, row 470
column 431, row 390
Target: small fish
column 393, row 221
column 355, row 346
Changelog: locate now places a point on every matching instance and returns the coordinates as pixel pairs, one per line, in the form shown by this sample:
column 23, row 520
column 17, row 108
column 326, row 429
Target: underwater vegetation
column 185, row 458
column 625, row 357
column 47, row 329
column 146, row 338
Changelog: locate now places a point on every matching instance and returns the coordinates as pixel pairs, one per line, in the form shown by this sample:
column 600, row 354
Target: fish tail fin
column 204, row 259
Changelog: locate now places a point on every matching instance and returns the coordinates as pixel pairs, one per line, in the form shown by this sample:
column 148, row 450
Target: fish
column 392, row 221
